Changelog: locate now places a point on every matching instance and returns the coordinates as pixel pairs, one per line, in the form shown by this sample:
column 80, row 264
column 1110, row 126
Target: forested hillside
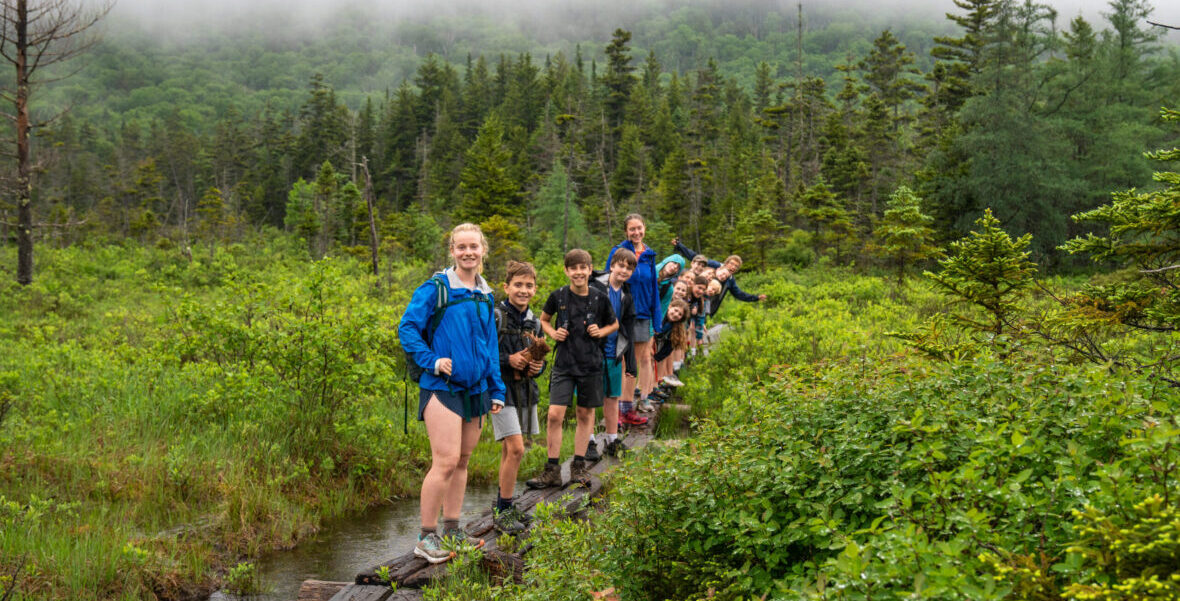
column 729, row 126
column 205, row 367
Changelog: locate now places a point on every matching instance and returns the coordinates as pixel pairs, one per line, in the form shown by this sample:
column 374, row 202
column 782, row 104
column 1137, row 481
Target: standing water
column 349, row 545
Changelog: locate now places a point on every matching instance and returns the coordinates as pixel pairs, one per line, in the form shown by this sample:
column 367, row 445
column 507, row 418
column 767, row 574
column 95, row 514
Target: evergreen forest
column 963, row 384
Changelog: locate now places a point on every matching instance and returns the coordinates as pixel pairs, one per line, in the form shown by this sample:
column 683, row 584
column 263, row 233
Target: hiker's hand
column 675, row 240
column 444, row 367
column 593, row 330
column 496, row 407
column 517, row 360
column 561, row 334
column 761, row 297
column 535, row 367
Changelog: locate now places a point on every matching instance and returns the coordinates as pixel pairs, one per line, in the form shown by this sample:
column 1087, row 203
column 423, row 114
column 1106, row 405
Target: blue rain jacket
column 466, row 335
column 644, row 289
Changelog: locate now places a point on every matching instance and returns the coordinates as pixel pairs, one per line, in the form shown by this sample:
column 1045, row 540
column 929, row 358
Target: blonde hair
column 713, row 288
column 469, row 227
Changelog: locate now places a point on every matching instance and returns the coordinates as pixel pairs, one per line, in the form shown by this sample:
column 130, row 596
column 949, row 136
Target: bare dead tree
column 369, row 195
column 35, row 34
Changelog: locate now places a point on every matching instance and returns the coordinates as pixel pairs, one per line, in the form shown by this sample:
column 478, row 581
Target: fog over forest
column 566, row 18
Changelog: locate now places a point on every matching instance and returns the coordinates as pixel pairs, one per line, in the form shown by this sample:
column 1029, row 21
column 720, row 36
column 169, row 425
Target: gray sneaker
column 430, row 548
column 592, row 454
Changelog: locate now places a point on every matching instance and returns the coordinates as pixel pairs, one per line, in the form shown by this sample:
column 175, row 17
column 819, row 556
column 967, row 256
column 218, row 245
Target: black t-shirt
column 580, row 354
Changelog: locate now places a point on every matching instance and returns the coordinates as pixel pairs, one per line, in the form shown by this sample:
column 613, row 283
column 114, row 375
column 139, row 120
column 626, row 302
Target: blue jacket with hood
column 644, row 289
column 466, row 334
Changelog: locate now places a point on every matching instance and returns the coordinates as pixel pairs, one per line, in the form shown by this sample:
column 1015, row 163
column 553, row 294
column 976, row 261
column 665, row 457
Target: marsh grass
column 156, row 440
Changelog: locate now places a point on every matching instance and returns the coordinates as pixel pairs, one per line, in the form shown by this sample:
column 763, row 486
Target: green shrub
column 844, row 483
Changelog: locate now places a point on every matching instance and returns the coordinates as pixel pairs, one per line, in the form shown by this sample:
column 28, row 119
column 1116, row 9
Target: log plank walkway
column 410, row 573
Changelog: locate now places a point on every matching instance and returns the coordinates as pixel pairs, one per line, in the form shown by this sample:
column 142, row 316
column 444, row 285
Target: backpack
column 442, row 301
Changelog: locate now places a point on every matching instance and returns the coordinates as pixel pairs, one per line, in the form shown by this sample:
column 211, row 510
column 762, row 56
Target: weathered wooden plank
column 360, row 592
column 413, row 572
column 406, row 594
column 319, row 590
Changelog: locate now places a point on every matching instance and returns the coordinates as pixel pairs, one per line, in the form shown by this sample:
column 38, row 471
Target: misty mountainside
column 152, row 61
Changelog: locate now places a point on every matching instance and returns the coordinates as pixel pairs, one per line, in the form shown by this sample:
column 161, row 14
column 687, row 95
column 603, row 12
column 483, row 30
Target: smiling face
column 680, row 290
column 620, row 272
column 579, row 275
column 520, row 291
column 675, row 314
column 636, row 230
column 670, row 269
column 698, row 290
column 467, row 250
column 723, row 273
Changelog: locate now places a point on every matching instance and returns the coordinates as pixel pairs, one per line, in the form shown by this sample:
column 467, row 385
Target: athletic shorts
column 642, row 330
column 507, row 422
column 453, row 402
column 612, row 378
column 564, row 388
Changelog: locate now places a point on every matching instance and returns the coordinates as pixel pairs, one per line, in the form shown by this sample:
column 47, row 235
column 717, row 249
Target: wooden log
column 319, row 590
column 360, row 592
column 503, row 567
column 410, row 571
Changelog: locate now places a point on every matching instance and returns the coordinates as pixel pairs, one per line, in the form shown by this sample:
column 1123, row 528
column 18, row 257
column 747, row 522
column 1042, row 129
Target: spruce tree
column 987, row 272
column 904, row 236
column 485, row 188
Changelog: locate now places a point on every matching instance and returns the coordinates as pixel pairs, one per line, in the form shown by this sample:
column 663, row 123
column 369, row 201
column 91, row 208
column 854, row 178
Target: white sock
column 591, row 438
column 611, row 437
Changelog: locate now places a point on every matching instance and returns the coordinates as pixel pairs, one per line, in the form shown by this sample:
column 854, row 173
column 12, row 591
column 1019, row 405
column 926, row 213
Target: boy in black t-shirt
column 579, row 318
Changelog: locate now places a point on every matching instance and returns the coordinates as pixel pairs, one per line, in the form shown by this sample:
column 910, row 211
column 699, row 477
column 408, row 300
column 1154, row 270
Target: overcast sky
column 188, row 14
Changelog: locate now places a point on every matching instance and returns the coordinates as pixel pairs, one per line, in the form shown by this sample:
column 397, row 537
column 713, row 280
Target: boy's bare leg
column 585, row 417
column 553, row 431
column 510, row 455
column 610, row 415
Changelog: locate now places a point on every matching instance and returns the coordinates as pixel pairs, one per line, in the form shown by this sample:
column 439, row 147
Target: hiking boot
column 630, row 418
column 592, row 454
column 580, row 473
column 674, row 381
column 616, row 448
column 430, row 548
column 510, row 521
column 645, row 406
column 459, row 541
column 549, row 478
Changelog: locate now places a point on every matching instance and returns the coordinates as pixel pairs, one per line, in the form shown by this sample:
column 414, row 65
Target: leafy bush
column 839, row 483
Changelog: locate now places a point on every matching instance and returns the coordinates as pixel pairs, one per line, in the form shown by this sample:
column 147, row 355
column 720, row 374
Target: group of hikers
column 615, row 331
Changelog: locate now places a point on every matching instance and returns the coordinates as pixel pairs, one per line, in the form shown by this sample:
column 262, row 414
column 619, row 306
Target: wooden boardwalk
column 411, row 573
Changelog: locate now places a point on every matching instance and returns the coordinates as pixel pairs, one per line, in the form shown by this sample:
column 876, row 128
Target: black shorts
column 476, row 407
column 563, row 387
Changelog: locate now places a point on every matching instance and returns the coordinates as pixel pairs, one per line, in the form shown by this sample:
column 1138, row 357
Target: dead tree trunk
column 372, row 216
column 33, row 34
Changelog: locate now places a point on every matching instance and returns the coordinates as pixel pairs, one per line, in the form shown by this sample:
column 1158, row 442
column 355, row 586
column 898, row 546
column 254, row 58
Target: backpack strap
column 442, row 299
